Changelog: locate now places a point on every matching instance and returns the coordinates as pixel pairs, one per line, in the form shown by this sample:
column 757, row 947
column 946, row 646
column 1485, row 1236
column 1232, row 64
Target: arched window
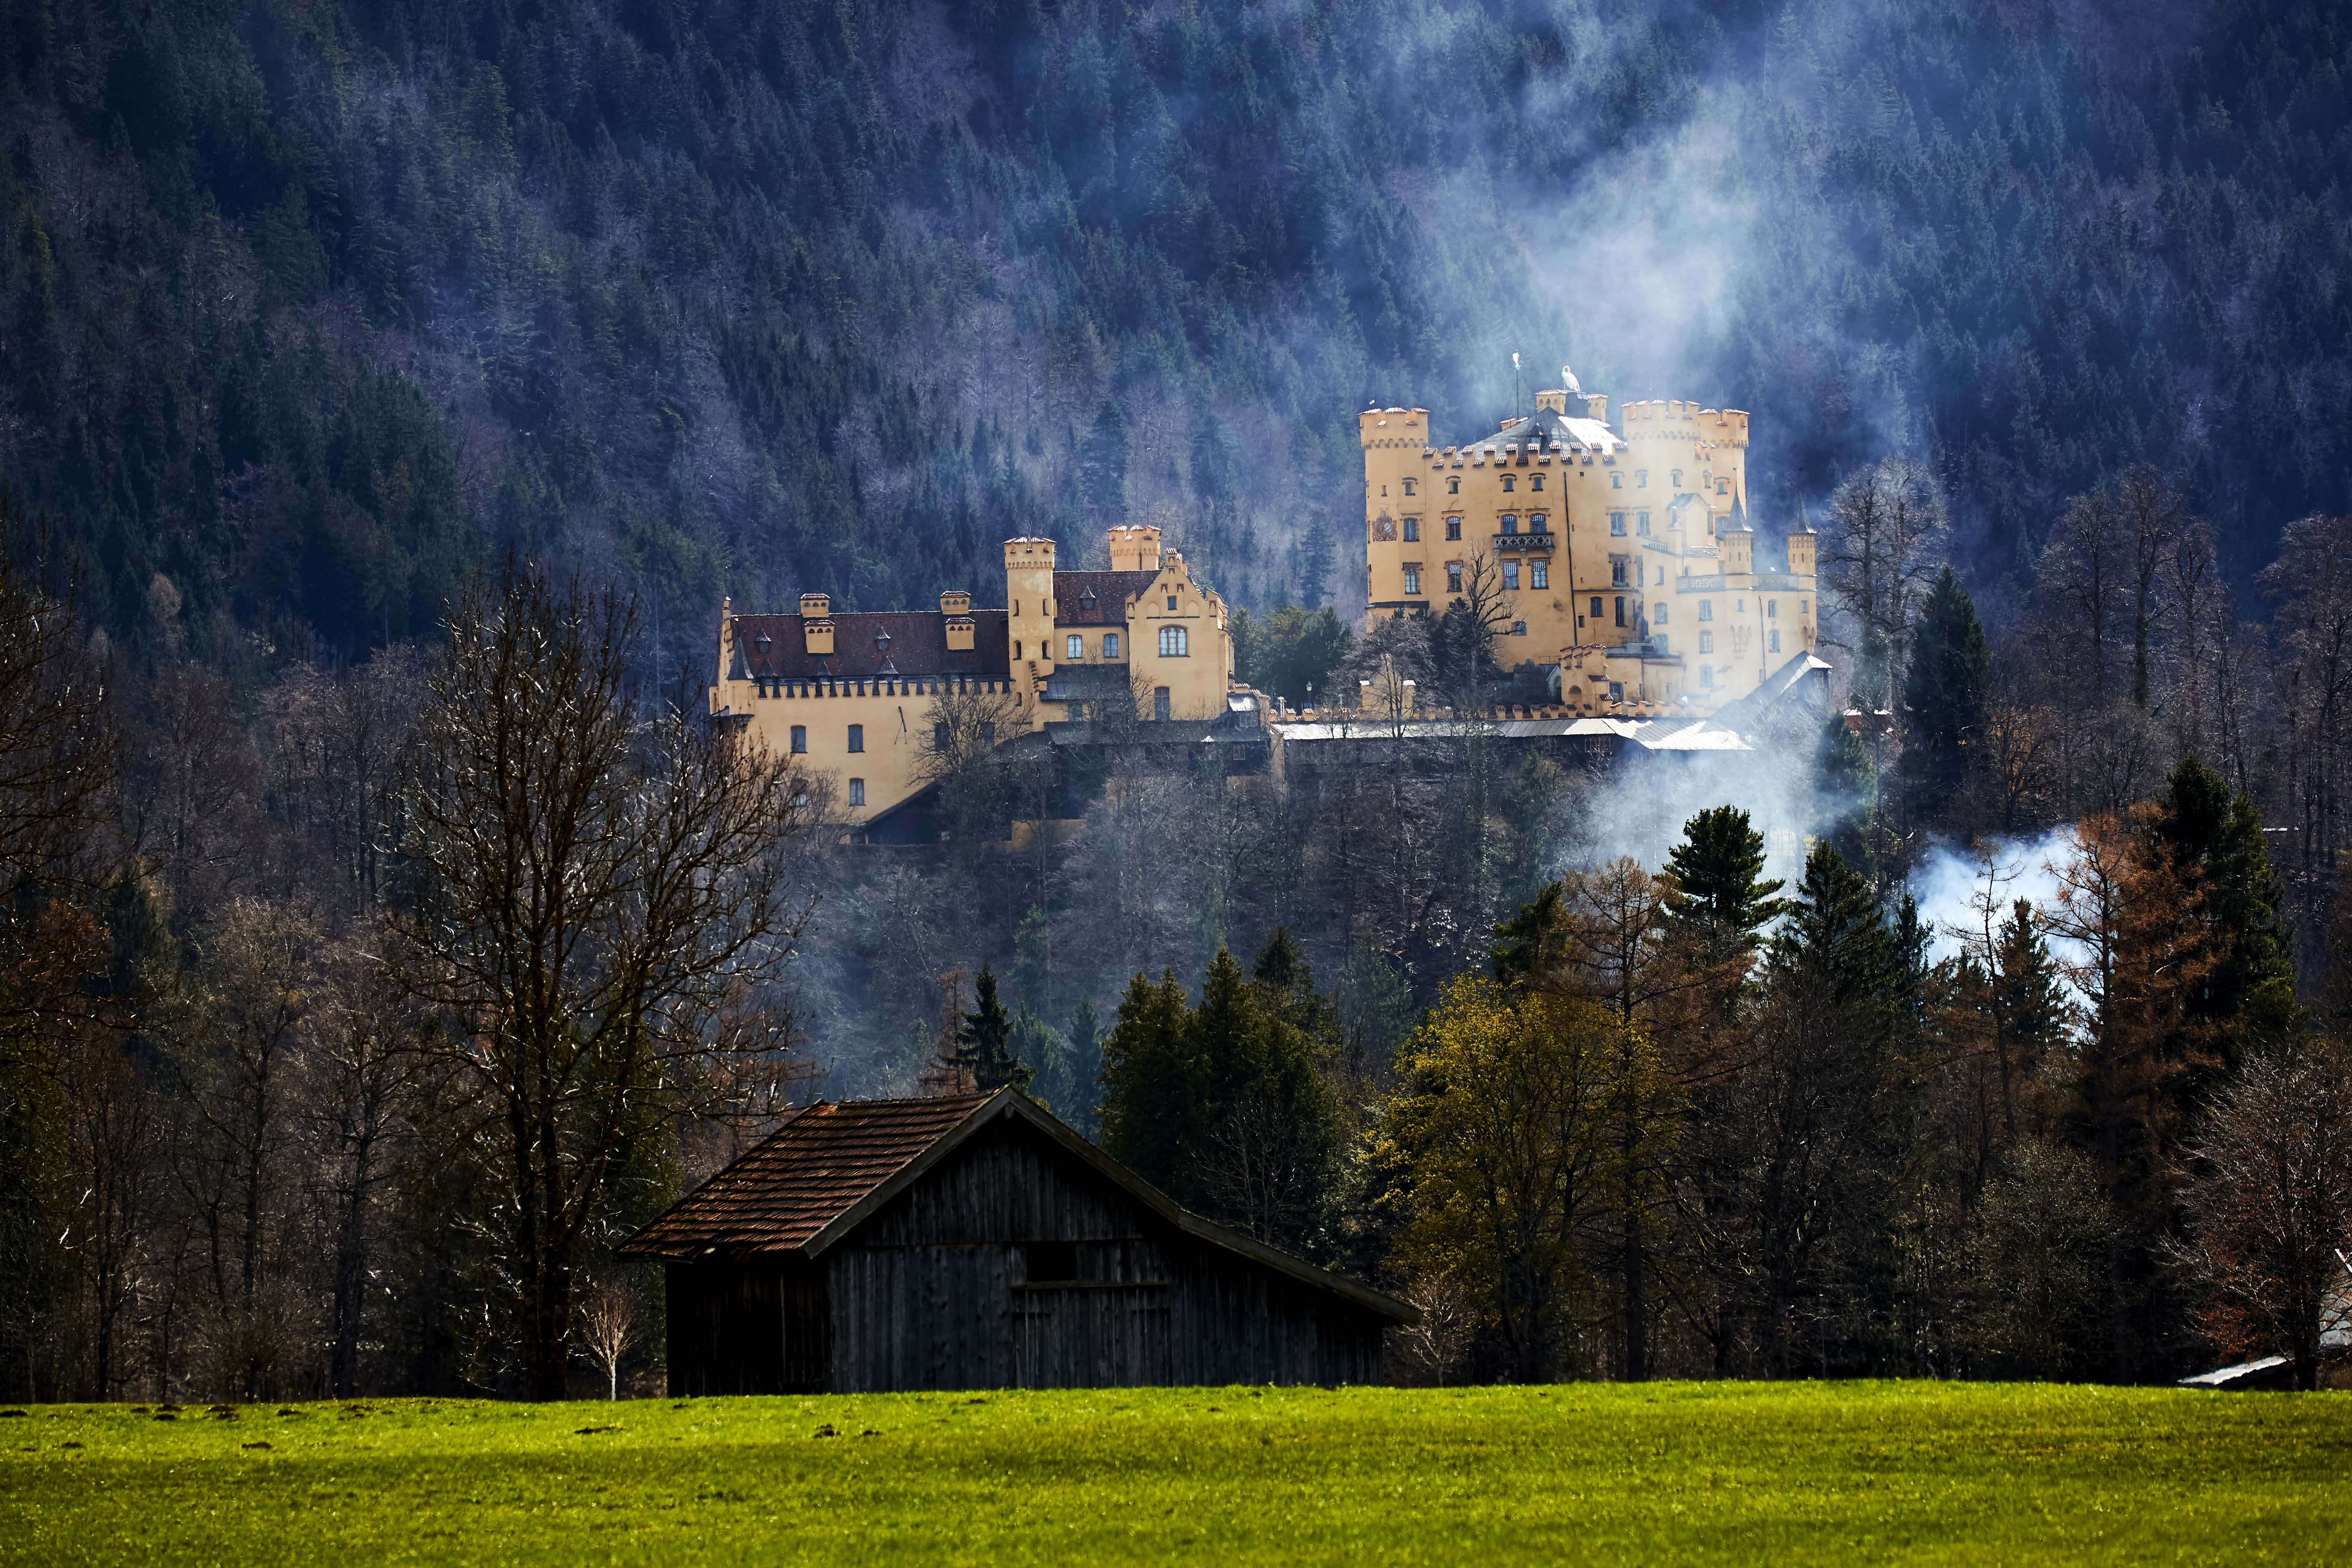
column 1171, row 642
column 1111, row 645
column 1508, row 482
column 1453, row 485
column 1076, row 646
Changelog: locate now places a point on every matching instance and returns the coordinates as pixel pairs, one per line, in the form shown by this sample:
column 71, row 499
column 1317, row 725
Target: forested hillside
column 310, row 308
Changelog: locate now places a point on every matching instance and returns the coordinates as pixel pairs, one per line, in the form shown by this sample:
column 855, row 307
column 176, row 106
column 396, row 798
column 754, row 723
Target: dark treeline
column 292, row 1103
column 308, row 308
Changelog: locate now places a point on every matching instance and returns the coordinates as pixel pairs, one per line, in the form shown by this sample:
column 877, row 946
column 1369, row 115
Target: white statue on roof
column 1567, row 379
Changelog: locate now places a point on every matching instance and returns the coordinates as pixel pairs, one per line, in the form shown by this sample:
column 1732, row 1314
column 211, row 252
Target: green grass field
column 1794, row 1473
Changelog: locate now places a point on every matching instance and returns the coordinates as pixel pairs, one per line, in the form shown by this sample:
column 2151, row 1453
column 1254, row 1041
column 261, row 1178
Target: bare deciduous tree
column 608, row 1329
column 2269, row 1195
column 1882, row 549
column 597, row 898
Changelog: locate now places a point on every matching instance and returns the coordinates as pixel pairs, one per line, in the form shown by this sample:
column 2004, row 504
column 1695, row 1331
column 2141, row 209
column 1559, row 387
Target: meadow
column 1688, row 1472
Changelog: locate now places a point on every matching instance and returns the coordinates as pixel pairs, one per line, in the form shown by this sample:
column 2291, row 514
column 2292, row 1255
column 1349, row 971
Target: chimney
column 1596, row 406
column 955, row 611
column 816, row 622
column 1135, row 547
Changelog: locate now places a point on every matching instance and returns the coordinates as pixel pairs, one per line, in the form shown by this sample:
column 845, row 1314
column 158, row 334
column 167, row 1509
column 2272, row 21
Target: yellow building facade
column 1620, row 554
column 850, row 696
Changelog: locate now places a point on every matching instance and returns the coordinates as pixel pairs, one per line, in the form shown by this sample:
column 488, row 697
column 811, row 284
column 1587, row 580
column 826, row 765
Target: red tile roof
column 918, row 646
column 803, row 1176
column 1111, row 590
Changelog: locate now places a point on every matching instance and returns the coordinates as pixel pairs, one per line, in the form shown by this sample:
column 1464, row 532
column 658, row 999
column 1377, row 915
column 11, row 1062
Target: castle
column 1625, row 558
column 849, row 696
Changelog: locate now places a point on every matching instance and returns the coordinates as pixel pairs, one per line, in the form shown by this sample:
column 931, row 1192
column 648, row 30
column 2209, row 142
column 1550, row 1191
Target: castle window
column 1016, row 644
column 1659, row 642
column 858, row 737
column 1641, row 524
column 1771, row 609
column 1508, row 482
column 1800, row 606
column 1617, row 524
column 1536, row 483
column 857, row 791
column 1641, row 479
column 1616, row 692
column 1617, row 574
column 1408, row 486
column 1537, row 522
column 800, row 737
column 1538, row 576
column 1453, row 528
column 1412, row 530
column 1510, row 573
column 1658, row 614
column 1412, row 580
column 1510, row 523
column 1723, row 487
column 1678, row 478
column 1453, row 576
column 1519, row 628
column 1706, row 676
column 1171, row 601
column 1453, row 485
column 1706, row 642
column 1616, row 482
column 1707, row 609
column 1772, row 641
column 1596, row 606
column 1171, row 642
column 1111, row 645
column 1159, row 704
column 1621, row 609
column 1660, row 578
column 1075, row 647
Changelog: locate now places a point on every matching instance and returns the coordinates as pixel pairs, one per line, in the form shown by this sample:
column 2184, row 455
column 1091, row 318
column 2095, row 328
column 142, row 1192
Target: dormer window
column 1087, row 602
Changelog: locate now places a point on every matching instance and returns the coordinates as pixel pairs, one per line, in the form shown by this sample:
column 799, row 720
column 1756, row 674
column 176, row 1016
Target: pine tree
column 1846, row 780
column 1153, row 1091
column 984, row 1042
column 1084, row 1036
column 2029, row 1006
column 1945, row 692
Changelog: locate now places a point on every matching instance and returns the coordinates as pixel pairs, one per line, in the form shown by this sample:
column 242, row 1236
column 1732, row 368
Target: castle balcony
column 1524, row 541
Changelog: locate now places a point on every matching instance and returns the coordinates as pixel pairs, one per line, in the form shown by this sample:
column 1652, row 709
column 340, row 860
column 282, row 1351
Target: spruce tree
column 1718, row 872
column 1084, row 1036
column 1945, row 693
column 984, row 1042
column 2215, row 839
column 1153, row 1092
column 2029, row 1006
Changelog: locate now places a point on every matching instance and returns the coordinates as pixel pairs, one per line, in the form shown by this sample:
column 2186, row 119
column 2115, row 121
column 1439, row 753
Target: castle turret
column 1800, row 552
column 1135, row 547
column 1739, row 552
column 1029, row 611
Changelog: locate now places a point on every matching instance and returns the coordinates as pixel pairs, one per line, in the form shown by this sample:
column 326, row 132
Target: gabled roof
column 918, row 646
column 831, row 1166
column 1096, row 598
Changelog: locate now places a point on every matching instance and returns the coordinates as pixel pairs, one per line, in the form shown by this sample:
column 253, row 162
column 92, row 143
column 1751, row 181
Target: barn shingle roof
column 826, row 1169
column 804, row 1176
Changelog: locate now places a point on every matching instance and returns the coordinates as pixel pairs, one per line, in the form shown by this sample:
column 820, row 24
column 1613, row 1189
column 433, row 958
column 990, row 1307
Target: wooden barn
column 976, row 1242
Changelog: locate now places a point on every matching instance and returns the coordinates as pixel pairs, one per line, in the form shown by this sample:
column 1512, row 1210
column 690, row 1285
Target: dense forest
column 311, row 309
column 1951, row 1030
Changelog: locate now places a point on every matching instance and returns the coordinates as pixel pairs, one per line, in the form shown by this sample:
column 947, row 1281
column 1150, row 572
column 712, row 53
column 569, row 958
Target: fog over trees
column 394, row 391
